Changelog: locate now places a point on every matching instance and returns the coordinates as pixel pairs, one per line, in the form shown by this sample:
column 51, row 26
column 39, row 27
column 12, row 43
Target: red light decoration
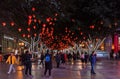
column 84, row 37
column 50, row 23
column 56, row 14
column 55, row 19
column 29, row 21
column 23, row 35
column 4, row 24
column 35, row 34
column 28, row 36
column 12, row 23
column 34, row 27
column 115, row 23
column 92, row 26
column 33, row 8
column 81, row 33
column 39, row 21
column 44, row 25
column 19, row 29
column 28, row 29
column 35, row 20
column 30, row 17
column 101, row 22
column 73, row 20
column 34, row 16
column 48, row 19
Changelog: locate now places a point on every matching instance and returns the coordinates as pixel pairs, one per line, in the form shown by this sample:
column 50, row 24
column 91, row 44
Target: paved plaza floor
column 105, row 69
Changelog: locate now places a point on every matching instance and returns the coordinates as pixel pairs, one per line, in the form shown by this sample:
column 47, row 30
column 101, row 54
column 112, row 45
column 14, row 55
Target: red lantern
column 56, row 14
column 30, row 17
column 23, row 35
column 35, row 34
column 44, row 25
column 48, row 19
column 34, row 16
column 92, row 26
column 19, row 29
column 28, row 36
column 33, row 8
column 35, row 20
column 39, row 21
column 81, row 33
column 50, row 23
column 4, row 24
column 34, row 27
column 12, row 23
column 29, row 21
column 28, row 29
column 55, row 19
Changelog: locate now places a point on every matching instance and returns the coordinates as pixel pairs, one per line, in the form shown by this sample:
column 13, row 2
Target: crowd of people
column 47, row 59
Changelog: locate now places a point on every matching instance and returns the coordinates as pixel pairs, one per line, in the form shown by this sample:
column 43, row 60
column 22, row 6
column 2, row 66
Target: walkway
column 105, row 69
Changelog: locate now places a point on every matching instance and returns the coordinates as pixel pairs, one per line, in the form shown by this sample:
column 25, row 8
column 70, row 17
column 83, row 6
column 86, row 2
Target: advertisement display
column 115, row 43
column 119, row 43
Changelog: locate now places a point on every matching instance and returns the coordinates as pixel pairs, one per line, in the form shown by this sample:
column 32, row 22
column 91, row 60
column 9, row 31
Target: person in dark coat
column 48, row 63
column 86, row 58
column 42, row 59
column 92, row 61
column 28, row 63
column 58, row 58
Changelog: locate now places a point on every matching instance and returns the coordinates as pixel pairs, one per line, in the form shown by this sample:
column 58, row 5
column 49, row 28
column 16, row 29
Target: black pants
column 58, row 64
column 42, row 63
column 28, row 69
column 46, row 69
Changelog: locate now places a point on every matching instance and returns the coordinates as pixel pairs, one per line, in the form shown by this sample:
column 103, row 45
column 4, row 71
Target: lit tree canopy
column 59, row 23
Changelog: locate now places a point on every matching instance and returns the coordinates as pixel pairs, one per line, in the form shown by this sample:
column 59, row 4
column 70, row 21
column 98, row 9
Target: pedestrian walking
column 12, row 61
column 42, row 59
column 58, row 59
column 28, row 64
column 48, row 64
column 92, row 61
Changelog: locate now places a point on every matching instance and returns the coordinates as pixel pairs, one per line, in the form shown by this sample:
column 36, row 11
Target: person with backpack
column 48, row 63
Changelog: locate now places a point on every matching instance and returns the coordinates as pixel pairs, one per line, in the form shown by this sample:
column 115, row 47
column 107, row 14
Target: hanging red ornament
column 34, row 27
column 92, row 26
column 56, row 14
column 19, row 29
column 55, row 19
column 50, row 23
column 35, row 34
column 12, row 23
column 33, row 8
column 48, row 19
column 35, row 20
column 44, row 25
column 30, row 17
column 39, row 21
column 29, row 21
column 28, row 36
column 4, row 24
column 28, row 29
column 84, row 37
column 23, row 35
column 81, row 33
column 33, row 15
